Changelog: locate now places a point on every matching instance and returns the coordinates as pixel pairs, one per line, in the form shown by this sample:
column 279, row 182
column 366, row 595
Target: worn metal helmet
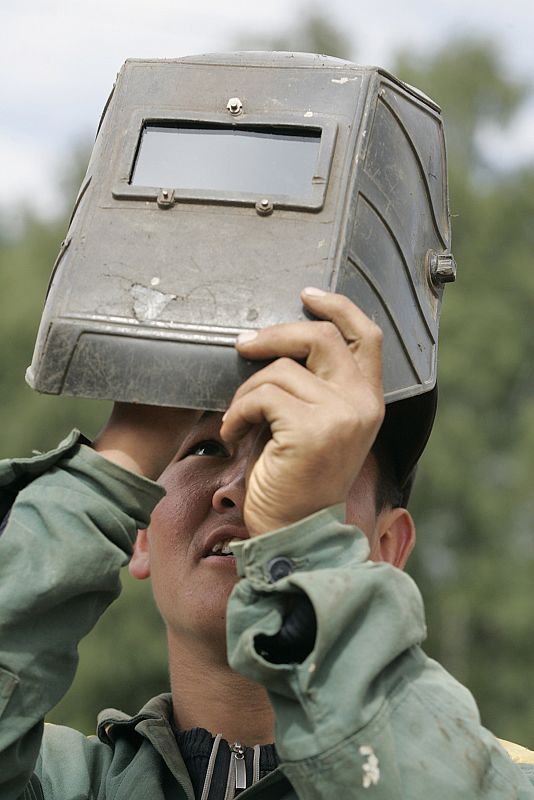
column 220, row 186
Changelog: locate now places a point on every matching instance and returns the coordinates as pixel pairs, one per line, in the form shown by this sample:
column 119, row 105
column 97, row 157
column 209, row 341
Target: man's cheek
column 181, row 504
column 187, row 486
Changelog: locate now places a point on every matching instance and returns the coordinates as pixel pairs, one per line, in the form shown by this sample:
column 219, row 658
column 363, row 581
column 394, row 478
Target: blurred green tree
column 313, row 32
column 474, row 503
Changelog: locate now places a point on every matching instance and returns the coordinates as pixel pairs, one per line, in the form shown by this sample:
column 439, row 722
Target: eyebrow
column 206, row 416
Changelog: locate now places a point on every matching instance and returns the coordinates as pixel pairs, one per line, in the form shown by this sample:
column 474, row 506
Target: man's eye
column 208, row 448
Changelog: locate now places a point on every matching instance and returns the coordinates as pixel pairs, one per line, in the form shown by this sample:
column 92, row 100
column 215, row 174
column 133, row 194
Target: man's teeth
column 221, row 549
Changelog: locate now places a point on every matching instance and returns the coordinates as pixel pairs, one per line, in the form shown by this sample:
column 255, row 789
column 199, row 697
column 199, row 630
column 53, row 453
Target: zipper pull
column 238, row 756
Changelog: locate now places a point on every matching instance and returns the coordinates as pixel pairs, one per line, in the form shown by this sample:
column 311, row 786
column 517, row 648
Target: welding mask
column 221, row 185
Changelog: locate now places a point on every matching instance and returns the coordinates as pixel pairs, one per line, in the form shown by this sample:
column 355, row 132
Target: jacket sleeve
column 366, row 714
column 58, row 573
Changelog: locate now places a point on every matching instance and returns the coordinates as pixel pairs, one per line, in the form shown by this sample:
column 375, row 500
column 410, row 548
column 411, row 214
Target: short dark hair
column 400, row 442
column 388, row 491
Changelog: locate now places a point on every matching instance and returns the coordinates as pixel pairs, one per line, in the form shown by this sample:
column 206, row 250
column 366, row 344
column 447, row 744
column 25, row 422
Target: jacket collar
column 112, row 723
column 153, row 723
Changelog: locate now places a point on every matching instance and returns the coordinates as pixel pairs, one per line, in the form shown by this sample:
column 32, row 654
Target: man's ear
column 395, row 536
column 139, row 565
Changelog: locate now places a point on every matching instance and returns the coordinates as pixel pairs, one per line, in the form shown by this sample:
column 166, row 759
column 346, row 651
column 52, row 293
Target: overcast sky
column 59, row 58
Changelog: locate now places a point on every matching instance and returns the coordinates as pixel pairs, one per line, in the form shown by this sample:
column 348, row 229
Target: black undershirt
column 196, row 746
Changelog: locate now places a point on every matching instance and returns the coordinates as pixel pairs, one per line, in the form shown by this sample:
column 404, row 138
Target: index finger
column 346, row 345
column 363, row 336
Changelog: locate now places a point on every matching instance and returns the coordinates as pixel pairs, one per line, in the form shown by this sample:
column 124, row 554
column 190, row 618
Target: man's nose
column 231, row 492
column 232, row 489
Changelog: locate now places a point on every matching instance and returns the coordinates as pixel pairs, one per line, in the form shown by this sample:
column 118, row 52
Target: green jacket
column 366, row 715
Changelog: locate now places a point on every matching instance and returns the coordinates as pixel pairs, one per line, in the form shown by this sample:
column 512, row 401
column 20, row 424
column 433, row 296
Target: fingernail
column 246, row 336
column 224, row 416
column 313, row 291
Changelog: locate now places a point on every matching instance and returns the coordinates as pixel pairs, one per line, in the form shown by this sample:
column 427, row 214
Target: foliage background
column 473, row 502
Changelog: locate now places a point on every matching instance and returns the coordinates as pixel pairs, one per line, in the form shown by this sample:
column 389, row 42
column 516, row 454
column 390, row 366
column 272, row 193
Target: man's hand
column 144, row 439
column 323, row 417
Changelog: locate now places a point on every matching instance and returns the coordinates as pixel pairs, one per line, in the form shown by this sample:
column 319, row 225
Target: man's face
column 203, row 508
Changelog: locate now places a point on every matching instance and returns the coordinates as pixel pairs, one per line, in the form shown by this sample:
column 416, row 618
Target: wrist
column 127, row 452
column 143, row 439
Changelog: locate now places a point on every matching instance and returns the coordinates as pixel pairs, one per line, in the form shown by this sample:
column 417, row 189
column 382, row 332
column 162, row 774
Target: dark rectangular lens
column 268, row 161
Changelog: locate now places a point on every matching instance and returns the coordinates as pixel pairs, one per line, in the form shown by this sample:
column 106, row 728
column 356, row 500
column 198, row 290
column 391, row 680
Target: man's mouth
column 221, row 549
column 219, row 543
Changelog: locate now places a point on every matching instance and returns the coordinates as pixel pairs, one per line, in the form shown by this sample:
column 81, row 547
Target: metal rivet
column 166, row 198
column 264, row 207
column 234, row 106
column 441, row 267
column 280, row 567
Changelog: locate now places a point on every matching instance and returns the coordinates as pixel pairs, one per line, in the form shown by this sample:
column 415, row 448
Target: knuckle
column 368, row 413
column 283, row 364
column 376, row 333
column 266, row 374
column 328, row 331
column 264, row 391
column 370, row 330
column 377, row 411
column 380, row 411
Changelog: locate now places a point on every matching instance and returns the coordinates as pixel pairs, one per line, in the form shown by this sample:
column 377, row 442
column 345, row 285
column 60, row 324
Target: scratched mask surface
column 298, row 170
